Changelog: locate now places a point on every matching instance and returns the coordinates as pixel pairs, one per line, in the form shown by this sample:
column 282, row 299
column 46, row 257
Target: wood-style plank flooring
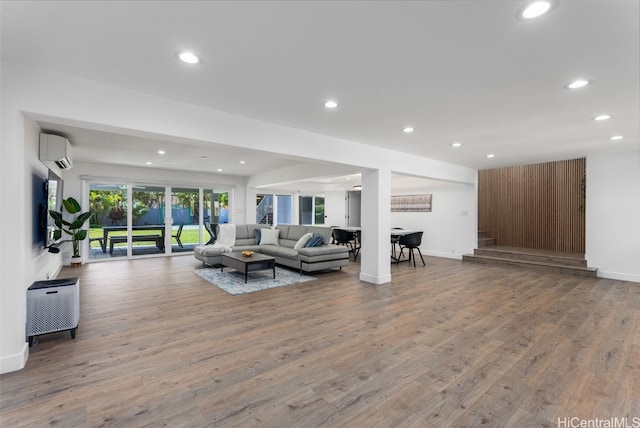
column 452, row 344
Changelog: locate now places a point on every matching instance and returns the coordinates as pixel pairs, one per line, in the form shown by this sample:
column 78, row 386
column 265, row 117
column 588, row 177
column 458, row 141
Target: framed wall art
column 411, row 203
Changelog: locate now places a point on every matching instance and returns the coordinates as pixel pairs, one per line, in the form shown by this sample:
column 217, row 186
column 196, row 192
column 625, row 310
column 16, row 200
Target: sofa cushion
column 269, row 250
column 242, row 232
column 303, row 240
column 324, row 250
column 296, row 232
column 269, row 236
column 286, row 253
column 284, row 230
column 207, row 250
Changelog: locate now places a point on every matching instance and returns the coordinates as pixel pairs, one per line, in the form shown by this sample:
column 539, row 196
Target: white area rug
column 232, row 281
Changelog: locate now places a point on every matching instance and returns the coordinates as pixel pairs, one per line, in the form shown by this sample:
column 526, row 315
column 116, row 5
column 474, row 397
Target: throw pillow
column 257, row 235
column 303, row 240
column 315, row 241
column 269, row 236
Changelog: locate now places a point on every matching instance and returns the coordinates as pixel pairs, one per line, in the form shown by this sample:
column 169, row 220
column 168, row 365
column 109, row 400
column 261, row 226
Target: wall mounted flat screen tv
column 55, row 186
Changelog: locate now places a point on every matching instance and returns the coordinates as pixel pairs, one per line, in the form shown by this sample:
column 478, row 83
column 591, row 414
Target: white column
column 375, row 264
column 14, row 279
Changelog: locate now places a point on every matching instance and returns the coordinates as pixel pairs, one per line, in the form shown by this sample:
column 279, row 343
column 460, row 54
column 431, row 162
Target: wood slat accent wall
column 534, row 206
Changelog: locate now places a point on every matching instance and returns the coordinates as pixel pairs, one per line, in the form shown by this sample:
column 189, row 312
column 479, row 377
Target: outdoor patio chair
column 177, row 235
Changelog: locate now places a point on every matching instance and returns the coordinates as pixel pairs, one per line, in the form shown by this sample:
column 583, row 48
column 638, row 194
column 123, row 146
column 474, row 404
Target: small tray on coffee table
column 245, row 264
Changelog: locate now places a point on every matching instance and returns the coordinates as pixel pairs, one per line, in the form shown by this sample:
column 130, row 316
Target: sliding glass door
column 132, row 220
column 108, row 202
column 147, row 220
column 185, row 214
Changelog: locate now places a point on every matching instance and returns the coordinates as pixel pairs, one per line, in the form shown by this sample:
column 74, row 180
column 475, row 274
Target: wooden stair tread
column 525, row 254
column 531, row 262
column 531, row 258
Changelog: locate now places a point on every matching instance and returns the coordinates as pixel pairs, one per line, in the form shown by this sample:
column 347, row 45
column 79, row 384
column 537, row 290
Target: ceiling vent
column 55, row 150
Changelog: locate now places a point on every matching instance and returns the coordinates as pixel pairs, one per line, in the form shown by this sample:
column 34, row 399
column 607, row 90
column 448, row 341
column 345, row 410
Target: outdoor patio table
column 107, row 229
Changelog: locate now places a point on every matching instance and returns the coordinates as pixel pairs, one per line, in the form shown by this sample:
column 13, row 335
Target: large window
column 284, row 209
column 311, row 209
column 264, row 209
column 318, row 209
column 274, row 209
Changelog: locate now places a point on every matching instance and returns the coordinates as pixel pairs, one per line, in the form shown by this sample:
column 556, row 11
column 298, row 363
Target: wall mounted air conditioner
column 55, row 150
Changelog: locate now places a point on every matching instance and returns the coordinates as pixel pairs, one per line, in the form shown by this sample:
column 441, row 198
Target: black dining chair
column 346, row 238
column 411, row 242
column 357, row 244
column 332, row 227
column 394, row 241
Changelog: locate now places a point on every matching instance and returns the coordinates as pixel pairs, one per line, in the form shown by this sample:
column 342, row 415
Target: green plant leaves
column 71, row 206
column 74, row 228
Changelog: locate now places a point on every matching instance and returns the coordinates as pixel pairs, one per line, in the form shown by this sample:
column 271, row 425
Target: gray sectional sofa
column 307, row 259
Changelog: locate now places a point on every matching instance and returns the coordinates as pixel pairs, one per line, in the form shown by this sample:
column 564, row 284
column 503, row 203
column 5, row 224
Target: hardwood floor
column 451, row 344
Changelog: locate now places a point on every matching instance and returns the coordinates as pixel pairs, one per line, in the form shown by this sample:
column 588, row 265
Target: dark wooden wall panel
column 534, row 206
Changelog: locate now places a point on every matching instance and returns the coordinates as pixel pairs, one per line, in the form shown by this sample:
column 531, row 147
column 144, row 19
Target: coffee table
column 252, row 263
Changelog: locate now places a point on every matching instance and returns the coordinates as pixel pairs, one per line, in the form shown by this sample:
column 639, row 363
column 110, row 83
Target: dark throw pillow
column 315, row 241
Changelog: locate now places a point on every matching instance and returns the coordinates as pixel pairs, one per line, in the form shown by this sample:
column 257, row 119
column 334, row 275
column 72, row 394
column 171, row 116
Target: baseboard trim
column 375, row 279
column 442, row 255
column 619, row 276
column 15, row 362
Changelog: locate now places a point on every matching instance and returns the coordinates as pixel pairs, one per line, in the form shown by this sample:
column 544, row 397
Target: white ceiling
column 466, row 71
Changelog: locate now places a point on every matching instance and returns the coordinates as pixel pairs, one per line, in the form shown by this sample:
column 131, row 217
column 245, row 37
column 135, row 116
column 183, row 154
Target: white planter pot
column 76, row 261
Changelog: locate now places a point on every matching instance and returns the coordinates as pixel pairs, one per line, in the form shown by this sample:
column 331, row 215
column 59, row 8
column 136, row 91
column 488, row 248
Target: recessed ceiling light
column 219, row 169
column 148, row 163
column 577, row 84
column 204, row 157
column 456, row 144
column 407, row 130
column 242, row 162
column 535, row 9
column 616, row 138
column 602, row 117
column 161, row 152
column 490, row 155
column 189, row 58
column 331, row 104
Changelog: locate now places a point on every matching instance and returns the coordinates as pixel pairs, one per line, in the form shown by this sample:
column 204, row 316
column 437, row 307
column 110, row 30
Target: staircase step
column 482, row 234
column 542, row 256
column 534, row 265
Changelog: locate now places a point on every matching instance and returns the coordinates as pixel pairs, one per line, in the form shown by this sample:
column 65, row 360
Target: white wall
column 450, row 229
column 41, row 263
column 613, row 215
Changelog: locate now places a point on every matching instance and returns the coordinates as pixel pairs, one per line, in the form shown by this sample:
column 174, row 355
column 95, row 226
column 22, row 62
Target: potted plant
column 72, row 228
